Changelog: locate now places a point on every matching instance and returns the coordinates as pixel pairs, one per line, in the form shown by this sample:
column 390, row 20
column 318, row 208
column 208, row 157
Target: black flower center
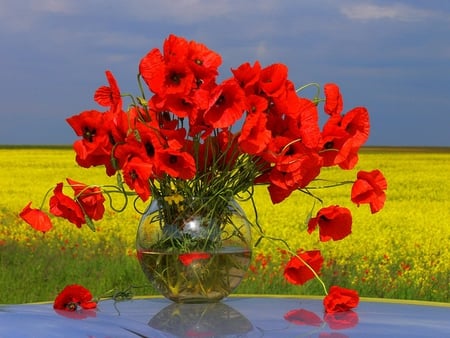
column 89, row 133
column 71, row 306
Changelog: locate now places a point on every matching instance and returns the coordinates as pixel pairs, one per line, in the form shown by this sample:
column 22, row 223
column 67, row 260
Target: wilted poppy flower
column 109, row 96
column 334, row 223
column 72, row 297
column 369, row 188
column 333, row 99
column 38, row 219
column 297, row 270
column 63, row 206
column 340, row 299
column 90, row 199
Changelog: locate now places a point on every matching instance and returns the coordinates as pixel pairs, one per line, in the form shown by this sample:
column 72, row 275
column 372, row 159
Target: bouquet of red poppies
column 196, row 138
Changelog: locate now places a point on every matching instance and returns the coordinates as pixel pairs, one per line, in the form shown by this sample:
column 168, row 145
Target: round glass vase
column 195, row 252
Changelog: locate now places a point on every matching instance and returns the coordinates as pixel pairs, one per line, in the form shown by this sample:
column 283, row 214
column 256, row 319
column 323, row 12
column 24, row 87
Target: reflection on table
column 241, row 316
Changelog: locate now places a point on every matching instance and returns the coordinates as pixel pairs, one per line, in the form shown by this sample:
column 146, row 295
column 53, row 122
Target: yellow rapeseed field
column 401, row 252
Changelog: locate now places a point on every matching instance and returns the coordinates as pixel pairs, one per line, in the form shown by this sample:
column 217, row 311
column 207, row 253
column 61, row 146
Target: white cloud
column 397, row 12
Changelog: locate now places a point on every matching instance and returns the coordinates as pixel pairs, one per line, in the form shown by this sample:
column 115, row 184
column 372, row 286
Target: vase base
column 195, row 277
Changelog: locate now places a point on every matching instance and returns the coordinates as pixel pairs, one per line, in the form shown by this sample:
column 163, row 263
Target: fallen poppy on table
column 340, row 299
column 72, row 297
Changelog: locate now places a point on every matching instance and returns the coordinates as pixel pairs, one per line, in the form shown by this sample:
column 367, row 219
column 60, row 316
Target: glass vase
column 194, row 252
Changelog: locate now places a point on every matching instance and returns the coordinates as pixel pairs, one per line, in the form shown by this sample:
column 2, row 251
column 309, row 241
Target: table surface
column 236, row 316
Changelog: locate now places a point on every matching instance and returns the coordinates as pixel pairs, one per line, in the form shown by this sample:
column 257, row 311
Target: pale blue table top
column 237, row 316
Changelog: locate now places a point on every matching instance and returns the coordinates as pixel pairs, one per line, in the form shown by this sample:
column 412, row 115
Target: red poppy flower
column 341, row 320
column 277, row 194
column 333, row 99
column 88, row 124
column 90, row 199
column 344, row 136
column 118, row 124
column 248, row 76
column 175, row 48
column 152, row 70
column 38, row 219
column 256, row 104
column 227, row 105
column 333, row 139
column 301, row 161
column 254, row 136
column 136, row 174
column 109, row 96
column 334, row 223
column 273, row 79
column 95, row 146
column 303, row 317
column 356, row 123
column 297, row 270
column 73, row 296
column 294, row 169
column 287, row 103
column 204, row 62
column 340, row 299
column 188, row 258
column 175, row 163
column 178, row 79
column 65, row 207
column 146, row 147
column 356, row 126
column 168, row 72
column 306, row 124
column 179, row 105
column 369, row 188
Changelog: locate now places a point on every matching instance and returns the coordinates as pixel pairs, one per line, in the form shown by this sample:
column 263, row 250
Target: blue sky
column 391, row 56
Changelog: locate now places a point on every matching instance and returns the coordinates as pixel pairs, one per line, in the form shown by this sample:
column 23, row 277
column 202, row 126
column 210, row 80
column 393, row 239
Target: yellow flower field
column 401, row 252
